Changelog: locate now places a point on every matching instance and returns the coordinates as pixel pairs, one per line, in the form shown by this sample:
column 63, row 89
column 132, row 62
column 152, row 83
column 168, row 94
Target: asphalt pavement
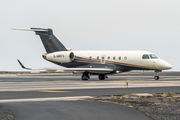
column 74, row 110
column 43, row 87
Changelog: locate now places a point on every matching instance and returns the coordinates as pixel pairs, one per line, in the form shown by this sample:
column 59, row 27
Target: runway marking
column 39, row 91
column 37, row 86
column 145, row 80
column 52, row 91
column 46, row 99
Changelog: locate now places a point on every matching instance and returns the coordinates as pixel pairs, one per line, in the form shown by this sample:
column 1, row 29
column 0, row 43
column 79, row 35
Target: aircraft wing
column 78, row 70
column 91, row 70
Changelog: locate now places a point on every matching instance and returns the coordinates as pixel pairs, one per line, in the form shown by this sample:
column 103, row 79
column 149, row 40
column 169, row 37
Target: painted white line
column 47, row 99
column 131, row 85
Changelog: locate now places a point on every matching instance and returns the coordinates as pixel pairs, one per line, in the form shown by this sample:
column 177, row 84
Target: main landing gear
column 102, row 77
column 156, row 77
column 86, row 76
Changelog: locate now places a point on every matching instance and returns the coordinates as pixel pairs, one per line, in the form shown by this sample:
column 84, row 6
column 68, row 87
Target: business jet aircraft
column 99, row 63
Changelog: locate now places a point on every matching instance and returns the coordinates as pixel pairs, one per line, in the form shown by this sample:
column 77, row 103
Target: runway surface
column 74, row 110
column 52, row 94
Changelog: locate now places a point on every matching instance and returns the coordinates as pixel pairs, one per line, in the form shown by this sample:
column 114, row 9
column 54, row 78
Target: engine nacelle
column 60, row 57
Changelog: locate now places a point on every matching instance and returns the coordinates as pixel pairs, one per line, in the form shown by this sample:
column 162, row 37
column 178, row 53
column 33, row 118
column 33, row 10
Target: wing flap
column 91, row 70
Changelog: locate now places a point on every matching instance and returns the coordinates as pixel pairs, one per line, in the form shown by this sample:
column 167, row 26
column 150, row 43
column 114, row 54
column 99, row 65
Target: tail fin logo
column 51, row 44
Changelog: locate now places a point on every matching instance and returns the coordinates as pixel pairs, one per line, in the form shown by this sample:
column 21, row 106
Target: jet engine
column 60, row 57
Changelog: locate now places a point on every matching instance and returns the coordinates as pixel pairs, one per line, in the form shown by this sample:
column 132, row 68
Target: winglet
column 23, row 65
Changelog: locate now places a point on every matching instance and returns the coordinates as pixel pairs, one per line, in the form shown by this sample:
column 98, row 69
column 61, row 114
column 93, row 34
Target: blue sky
column 151, row 25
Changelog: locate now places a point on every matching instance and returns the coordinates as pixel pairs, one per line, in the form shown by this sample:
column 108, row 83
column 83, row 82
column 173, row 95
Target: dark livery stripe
column 107, row 62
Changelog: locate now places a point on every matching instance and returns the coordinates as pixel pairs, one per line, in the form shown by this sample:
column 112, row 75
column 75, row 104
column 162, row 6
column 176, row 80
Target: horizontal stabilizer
column 39, row 30
column 23, row 65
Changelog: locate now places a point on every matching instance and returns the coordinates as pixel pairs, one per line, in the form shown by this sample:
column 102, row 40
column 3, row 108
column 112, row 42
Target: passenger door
column 103, row 57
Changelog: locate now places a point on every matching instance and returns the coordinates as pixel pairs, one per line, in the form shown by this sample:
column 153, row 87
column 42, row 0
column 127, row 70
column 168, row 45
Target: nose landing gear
column 156, row 77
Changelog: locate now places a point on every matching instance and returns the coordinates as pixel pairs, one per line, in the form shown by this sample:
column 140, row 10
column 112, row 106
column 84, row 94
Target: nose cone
column 165, row 65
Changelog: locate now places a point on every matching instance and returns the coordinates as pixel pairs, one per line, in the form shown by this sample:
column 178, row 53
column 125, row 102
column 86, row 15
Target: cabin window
column 145, row 56
column 153, row 56
column 90, row 57
column 114, row 58
column 119, row 57
column 108, row 58
column 103, row 57
column 98, row 57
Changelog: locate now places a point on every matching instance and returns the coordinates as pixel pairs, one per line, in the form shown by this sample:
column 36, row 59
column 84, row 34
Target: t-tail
column 50, row 42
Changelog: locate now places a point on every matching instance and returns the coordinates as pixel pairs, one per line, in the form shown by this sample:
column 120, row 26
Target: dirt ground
column 159, row 106
column 5, row 114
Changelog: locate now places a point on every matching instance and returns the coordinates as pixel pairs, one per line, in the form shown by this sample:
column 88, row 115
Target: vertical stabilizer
column 50, row 42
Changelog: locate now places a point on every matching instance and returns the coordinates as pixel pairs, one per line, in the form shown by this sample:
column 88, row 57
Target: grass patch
column 169, row 94
column 178, row 110
column 161, row 99
column 9, row 116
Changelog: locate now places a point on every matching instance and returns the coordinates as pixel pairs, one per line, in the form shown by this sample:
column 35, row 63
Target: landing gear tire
column 156, row 77
column 85, row 76
column 102, row 77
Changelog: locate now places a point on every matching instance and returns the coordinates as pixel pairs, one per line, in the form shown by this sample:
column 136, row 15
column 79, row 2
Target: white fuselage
column 122, row 58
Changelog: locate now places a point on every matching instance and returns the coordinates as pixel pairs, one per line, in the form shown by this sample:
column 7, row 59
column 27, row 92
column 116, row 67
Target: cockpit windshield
column 145, row 56
column 153, row 56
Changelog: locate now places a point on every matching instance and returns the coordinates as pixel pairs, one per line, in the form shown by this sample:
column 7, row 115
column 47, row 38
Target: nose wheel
column 156, row 77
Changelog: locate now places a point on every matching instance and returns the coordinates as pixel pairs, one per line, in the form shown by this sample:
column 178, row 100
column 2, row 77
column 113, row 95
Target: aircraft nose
column 166, row 65
column 163, row 65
